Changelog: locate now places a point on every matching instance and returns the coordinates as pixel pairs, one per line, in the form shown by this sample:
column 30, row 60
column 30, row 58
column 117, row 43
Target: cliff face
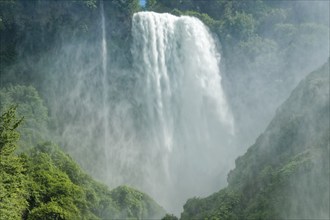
column 285, row 174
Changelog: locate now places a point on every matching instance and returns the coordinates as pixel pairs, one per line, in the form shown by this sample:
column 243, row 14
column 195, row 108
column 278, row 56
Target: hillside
column 285, row 174
column 45, row 183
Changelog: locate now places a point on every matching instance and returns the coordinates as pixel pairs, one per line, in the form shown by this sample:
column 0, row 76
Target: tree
column 13, row 184
column 31, row 106
column 150, row 3
column 8, row 134
column 170, row 217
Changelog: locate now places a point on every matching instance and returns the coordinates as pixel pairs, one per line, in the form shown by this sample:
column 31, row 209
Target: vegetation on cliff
column 45, row 183
column 285, row 174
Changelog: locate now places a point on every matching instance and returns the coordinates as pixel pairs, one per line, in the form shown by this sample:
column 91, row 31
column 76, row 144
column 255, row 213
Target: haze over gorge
column 186, row 109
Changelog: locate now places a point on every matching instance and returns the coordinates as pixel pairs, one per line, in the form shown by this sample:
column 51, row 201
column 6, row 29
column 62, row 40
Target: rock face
column 285, row 174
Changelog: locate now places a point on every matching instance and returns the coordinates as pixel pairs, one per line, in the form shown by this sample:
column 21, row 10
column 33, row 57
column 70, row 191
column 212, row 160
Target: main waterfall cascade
column 181, row 123
column 163, row 127
column 170, row 131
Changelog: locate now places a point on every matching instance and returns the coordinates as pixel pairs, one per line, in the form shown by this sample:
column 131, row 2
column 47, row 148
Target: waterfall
column 163, row 126
column 105, row 89
column 174, row 126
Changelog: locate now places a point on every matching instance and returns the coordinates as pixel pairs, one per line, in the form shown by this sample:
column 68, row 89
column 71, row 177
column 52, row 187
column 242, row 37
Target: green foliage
column 53, row 194
column 13, row 184
column 8, row 135
column 13, row 188
column 240, row 25
column 135, row 204
column 54, row 210
column 87, row 196
column 262, row 36
column 170, row 217
column 63, row 190
column 205, row 18
column 90, row 3
column 48, row 184
column 30, row 105
column 45, row 183
column 285, row 167
column 150, row 4
column 221, row 205
column 44, row 20
column 31, row 29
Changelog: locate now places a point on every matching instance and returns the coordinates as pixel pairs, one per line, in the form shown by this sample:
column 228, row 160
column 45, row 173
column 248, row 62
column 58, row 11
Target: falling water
column 170, row 134
column 104, row 84
column 164, row 126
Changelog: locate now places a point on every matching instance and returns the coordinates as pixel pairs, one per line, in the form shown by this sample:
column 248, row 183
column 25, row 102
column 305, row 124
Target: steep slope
column 285, row 174
column 60, row 180
column 45, row 183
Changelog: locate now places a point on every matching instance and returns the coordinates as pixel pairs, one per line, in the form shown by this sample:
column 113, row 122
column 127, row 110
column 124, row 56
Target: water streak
column 104, row 84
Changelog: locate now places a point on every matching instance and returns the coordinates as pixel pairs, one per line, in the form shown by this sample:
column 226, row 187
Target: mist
column 155, row 103
column 257, row 91
column 152, row 126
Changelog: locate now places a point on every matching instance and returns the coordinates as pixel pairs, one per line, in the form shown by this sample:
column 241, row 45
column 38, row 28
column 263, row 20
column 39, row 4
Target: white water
column 180, row 124
column 164, row 126
column 169, row 124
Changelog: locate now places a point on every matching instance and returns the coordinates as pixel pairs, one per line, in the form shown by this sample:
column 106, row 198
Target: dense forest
column 71, row 83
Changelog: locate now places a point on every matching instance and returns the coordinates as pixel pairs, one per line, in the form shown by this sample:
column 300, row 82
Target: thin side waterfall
column 104, row 84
